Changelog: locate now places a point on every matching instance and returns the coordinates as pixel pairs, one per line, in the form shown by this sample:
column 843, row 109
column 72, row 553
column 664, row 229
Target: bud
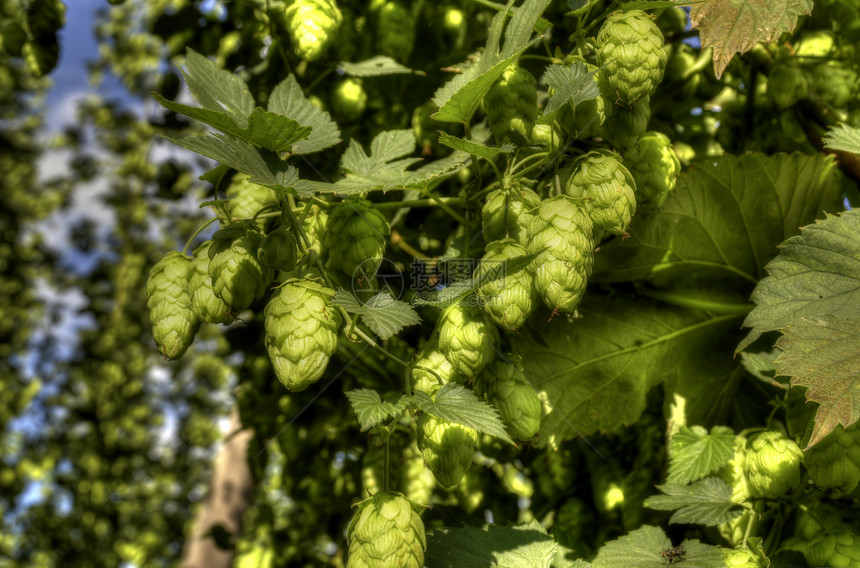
column 772, row 465
column 277, row 250
column 630, row 49
column 208, row 307
column 467, row 338
column 355, row 238
column 504, row 385
column 169, row 302
column 510, row 298
column 654, row 167
column 313, row 25
column 505, row 214
column 741, row 558
column 432, row 358
column 511, row 105
column 238, row 277
column 834, row 463
column 447, row 448
column 349, row 99
column 608, row 188
column 386, row 532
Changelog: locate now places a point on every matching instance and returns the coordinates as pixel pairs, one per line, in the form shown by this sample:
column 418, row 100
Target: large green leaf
column 287, row 99
column 695, row 453
column 735, row 26
column 593, row 373
column 518, row 546
column 721, row 225
column 458, row 404
column 706, row 502
column 216, row 89
column 646, row 547
column 843, row 137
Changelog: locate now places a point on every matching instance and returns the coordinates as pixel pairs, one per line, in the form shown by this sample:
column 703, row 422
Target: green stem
column 683, row 301
column 444, row 206
column 385, row 464
column 197, row 232
column 264, row 210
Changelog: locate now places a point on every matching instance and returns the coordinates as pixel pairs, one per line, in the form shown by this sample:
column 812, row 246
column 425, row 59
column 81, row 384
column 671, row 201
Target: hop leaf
column 277, row 250
column 508, row 300
column 386, row 532
column 505, row 214
column 467, row 338
column 655, row 168
column 301, row 332
column 312, row 24
column 505, row 387
column 608, row 189
column 207, row 306
column 169, row 302
column 772, row 465
column 511, row 105
column 834, row 463
column 630, row 49
column 564, row 229
column 238, row 277
column 447, row 448
column 355, row 238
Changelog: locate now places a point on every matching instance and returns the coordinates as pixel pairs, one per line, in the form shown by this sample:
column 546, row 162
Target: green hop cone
column 504, row 385
column 314, row 226
column 169, row 302
column 238, row 277
column 312, row 25
column 787, row 83
column 655, row 168
column 430, row 358
column 562, row 226
column 608, row 189
column 834, row 463
column 386, row 532
column 247, row 198
column 624, row 126
column 630, row 49
column 349, row 99
column 772, row 465
column 511, row 105
column 207, row 306
column 447, row 448
column 301, row 332
column 741, row 558
column 467, row 338
column 505, row 214
column 837, row 549
column 835, row 82
column 417, row 481
column 277, row 250
column 395, row 31
column 355, row 238
column 510, row 299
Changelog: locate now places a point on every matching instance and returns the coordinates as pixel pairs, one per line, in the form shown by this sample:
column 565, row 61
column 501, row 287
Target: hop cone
column 395, row 31
column 511, row 105
column 510, row 299
column 248, row 198
column 741, row 558
column 238, row 277
column 301, row 332
column 630, row 49
column 836, row 83
column 418, row 481
column 467, row 338
column 312, row 24
column 386, row 532
column 355, row 238
column 504, row 214
column 447, row 448
column 349, row 99
column 772, row 465
column 314, row 225
column 608, row 189
column 834, row 463
column 787, row 83
column 506, row 388
column 277, row 250
column 838, row 549
column 655, row 168
column 169, row 302
column 433, row 359
column 564, row 228
column 208, row 307
column 624, row 126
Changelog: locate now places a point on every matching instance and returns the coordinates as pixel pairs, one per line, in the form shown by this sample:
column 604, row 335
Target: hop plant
column 432, row 359
column 355, row 238
column 169, row 302
column 395, row 31
column 608, row 189
column 563, row 227
column 624, row 126
column 301, row 332
column 277, row 250
column 834, row 463
column 248, row 198
column 312, row 24
column 510, row 298
column 238, row 277
column 207, row 306
column 630, row 50
column 504, row 385
column 386, row 532
column 467, row 338
column 505, row 214
column 349, row 99
column 447, row 448
column 655, row 168
column 772, row 465
column 511, row 105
